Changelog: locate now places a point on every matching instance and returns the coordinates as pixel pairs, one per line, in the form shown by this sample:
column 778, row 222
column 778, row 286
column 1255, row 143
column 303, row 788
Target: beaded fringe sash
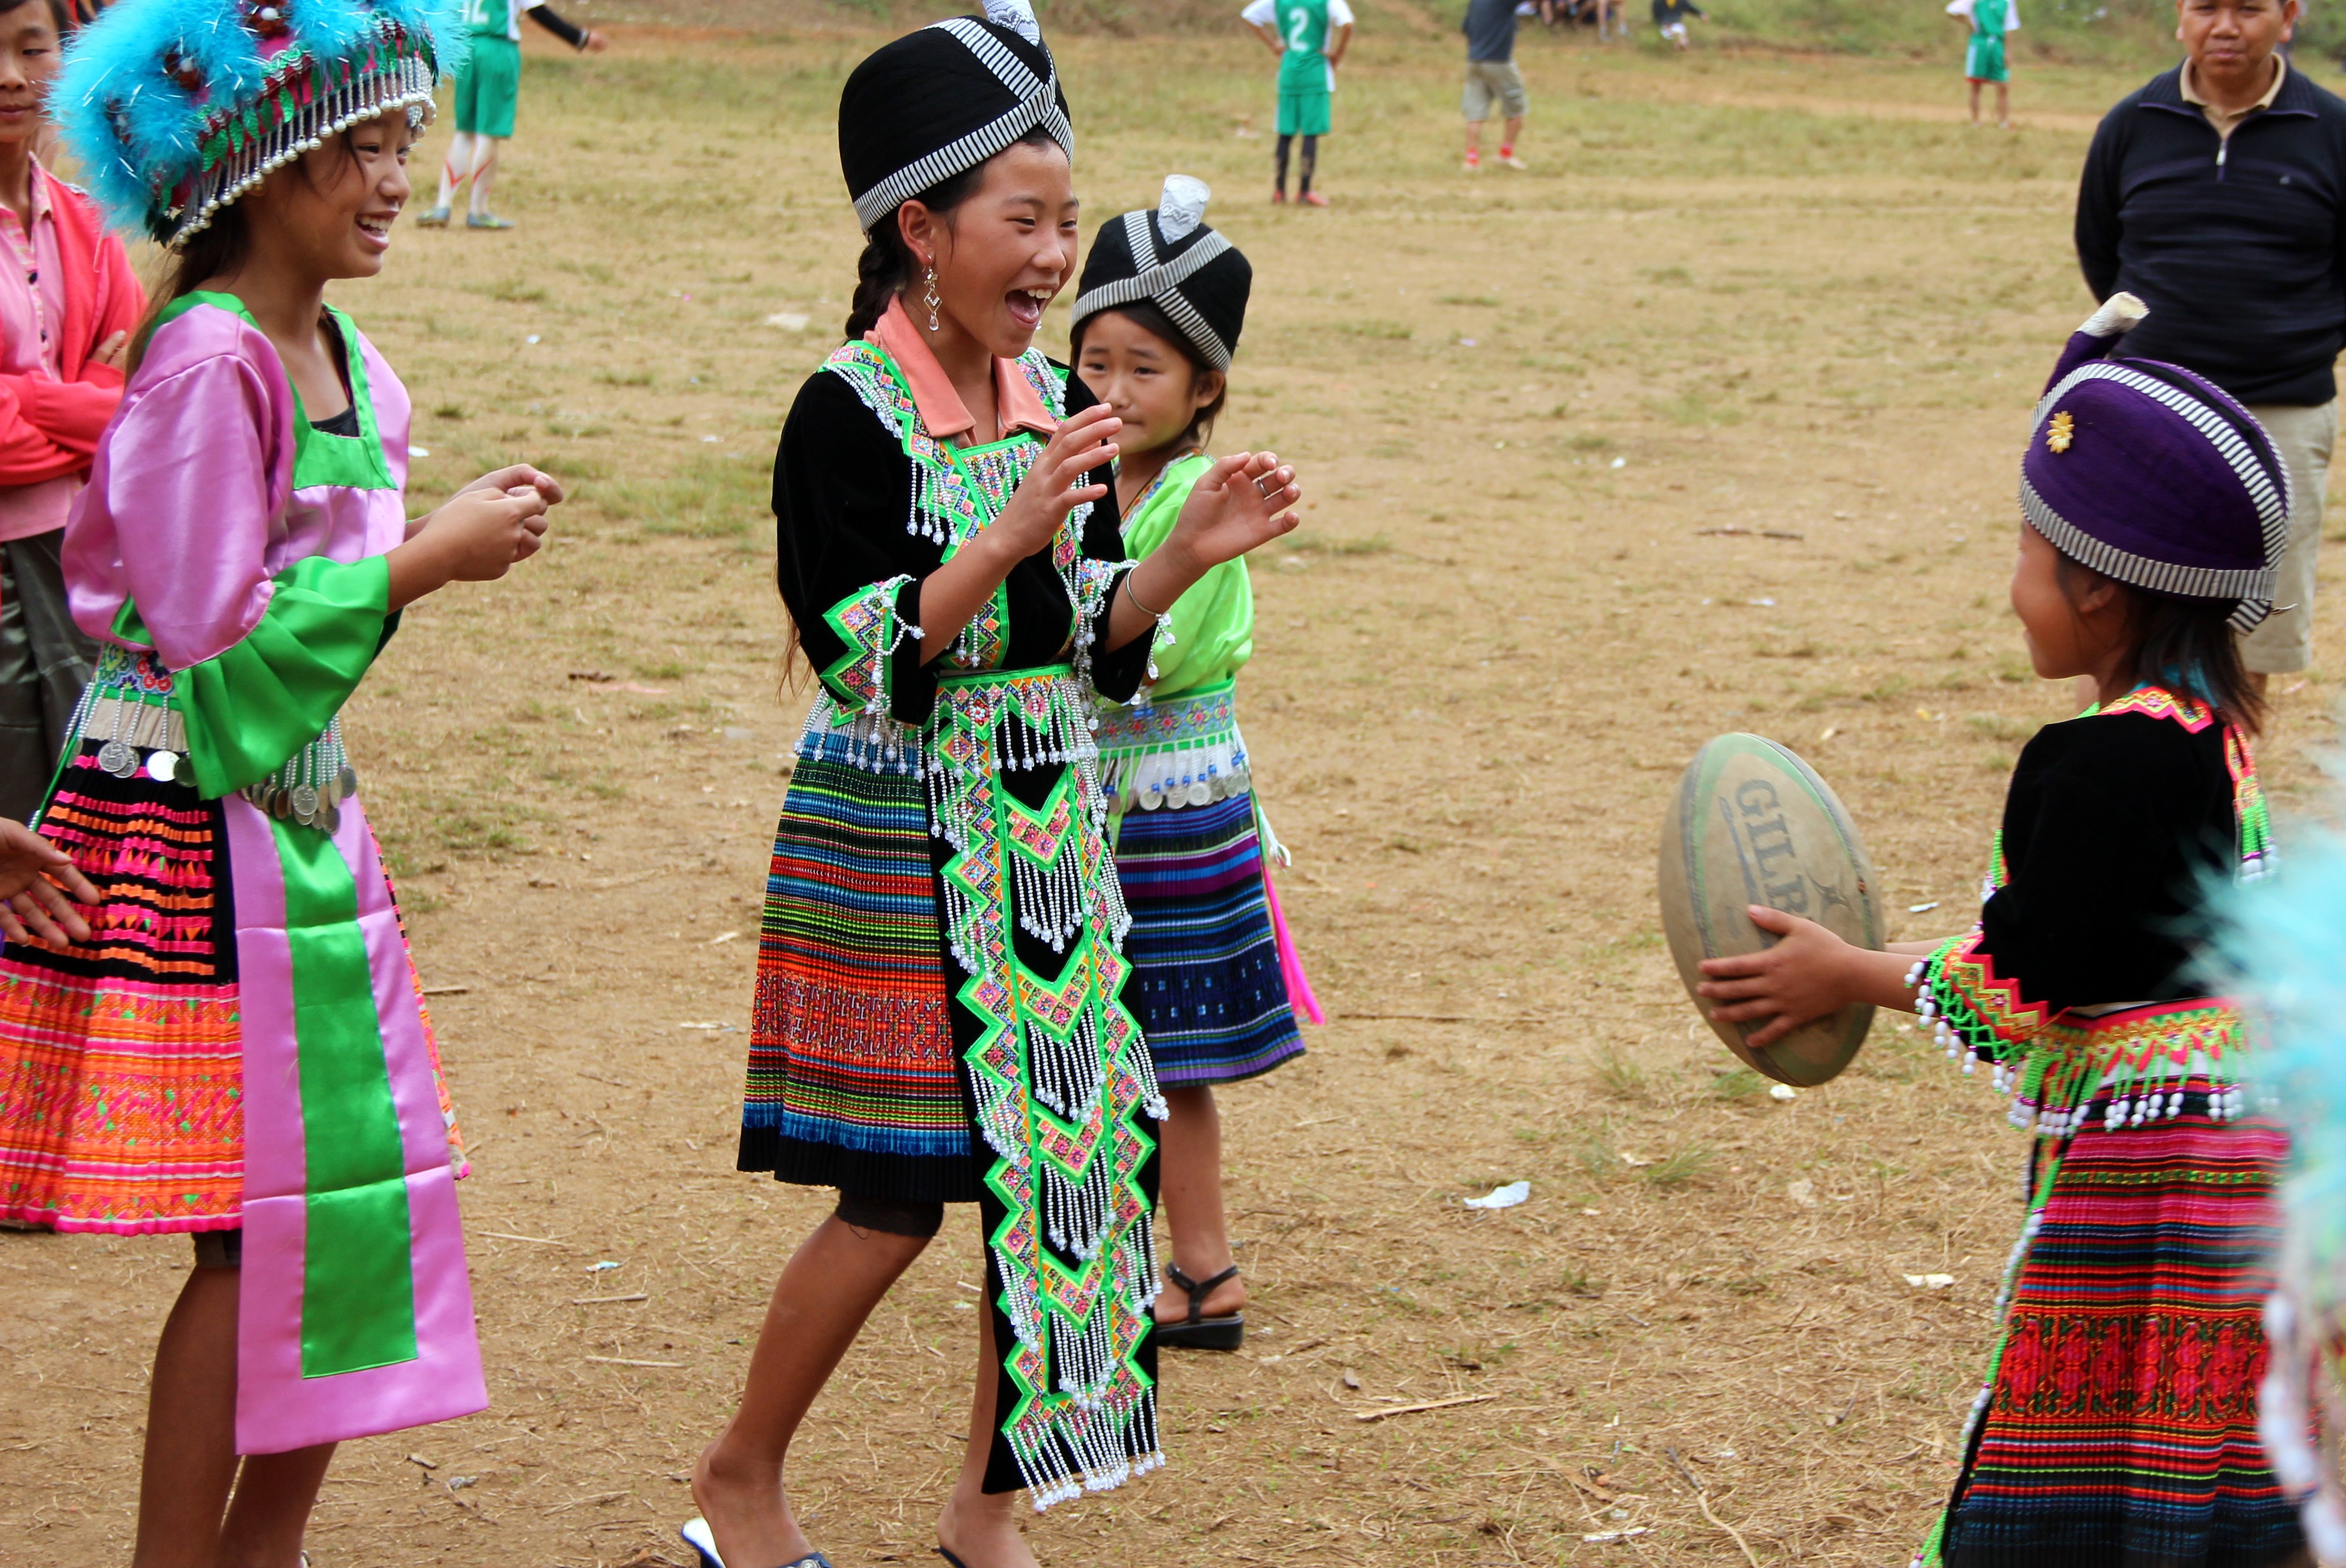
column 1059, row 1074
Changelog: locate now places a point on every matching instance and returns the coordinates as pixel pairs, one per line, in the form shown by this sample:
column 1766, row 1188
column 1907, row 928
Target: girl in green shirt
column 1215, row 983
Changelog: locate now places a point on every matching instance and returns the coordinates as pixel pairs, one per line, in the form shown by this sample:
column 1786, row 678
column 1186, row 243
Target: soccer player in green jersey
column 1309, row 37
column 1987, row 22
column 488, row 90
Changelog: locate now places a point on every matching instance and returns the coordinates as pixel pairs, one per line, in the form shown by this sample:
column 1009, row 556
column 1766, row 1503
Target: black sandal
column 1199, row 1332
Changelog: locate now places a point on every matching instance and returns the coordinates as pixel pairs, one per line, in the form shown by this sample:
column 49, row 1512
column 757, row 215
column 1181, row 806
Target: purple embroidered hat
column 2150, row 474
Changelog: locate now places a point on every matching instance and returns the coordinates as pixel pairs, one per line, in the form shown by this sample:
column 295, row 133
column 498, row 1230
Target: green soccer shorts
column 1304, row 114
column 488, row 89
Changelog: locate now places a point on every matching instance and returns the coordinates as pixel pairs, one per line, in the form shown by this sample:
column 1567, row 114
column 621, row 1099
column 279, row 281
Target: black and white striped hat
column 1170, row 259
column 939, row 102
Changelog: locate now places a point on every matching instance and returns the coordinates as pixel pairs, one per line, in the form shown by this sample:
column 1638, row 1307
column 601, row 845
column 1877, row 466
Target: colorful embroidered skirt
column 2118, row 1426
column 121, row 1081
column 854, row 1081
column 1206, row 982
column 939, row 1017
column 243, row 1045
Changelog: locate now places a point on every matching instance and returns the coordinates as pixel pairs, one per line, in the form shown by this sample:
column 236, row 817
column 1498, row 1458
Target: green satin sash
column 250, row 707
column 358, row 1304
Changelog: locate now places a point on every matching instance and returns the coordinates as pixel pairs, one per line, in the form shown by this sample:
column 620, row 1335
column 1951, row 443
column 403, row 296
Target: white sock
column 455, row 169
column 485, row 170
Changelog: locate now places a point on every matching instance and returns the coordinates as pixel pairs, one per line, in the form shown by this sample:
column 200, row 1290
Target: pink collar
column 943, row 413
column 38, row 181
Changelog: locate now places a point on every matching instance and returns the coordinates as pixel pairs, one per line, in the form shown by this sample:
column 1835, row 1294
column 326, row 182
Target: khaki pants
column 2303, row 436
column 1491, row 82
column 45, row 661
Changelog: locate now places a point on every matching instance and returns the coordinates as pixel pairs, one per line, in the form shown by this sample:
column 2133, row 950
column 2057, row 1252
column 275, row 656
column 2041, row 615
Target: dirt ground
column 1707, row 422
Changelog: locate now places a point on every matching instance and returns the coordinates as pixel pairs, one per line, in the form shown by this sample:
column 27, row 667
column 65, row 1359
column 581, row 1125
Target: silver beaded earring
column 929, row 297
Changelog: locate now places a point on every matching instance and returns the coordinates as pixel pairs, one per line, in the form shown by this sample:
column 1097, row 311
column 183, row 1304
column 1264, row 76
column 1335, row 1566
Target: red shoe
column 1279, row 197
column 1312, row 198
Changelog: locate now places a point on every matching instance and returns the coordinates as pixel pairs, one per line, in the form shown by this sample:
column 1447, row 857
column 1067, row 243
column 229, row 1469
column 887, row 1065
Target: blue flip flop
column 697, row 1535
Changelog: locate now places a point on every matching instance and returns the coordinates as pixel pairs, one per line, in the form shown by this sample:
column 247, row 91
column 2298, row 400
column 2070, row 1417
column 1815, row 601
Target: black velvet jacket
column 2112, row 828
column 2236, row 248
column 842, row 495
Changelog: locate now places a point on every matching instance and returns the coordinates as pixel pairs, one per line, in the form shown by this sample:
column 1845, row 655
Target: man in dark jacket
column 2217, row 193
column 1492, row 80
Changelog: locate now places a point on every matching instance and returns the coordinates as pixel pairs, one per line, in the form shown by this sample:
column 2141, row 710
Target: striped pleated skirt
column 2118, row 1428
column 1206, row 982
column 121, row 1071
column 854, row 1079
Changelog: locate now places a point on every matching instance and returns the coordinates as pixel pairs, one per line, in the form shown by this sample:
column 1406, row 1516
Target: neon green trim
column 319, row 457
column 357, row 1288
column 128, row 628
column 251, row 707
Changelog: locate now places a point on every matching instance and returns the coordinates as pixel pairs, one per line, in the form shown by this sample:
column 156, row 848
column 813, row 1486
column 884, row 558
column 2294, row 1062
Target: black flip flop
column 1197, row 1331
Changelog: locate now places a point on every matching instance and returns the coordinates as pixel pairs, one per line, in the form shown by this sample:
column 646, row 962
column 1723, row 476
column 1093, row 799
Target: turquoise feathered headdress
column 176, row 107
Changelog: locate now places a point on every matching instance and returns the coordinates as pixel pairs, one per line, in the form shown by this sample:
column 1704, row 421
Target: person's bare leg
column 2004, row 105
column 977, row 1526
column 827, row 1289
column 1474, row 140
column 1975, row 100
column 1515, row 131
column 1189, row 1185
column 190, row 1459
column 275, row 1493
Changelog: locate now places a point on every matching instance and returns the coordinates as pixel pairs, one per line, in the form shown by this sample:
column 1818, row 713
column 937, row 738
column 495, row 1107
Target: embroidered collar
column 2157, row 702
column 941, row 411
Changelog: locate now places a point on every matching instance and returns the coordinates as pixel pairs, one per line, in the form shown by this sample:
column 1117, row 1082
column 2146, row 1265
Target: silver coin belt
column 311, row 786
column 148, row 737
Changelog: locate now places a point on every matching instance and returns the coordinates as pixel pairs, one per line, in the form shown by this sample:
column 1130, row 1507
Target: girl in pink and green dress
column 237, row 1049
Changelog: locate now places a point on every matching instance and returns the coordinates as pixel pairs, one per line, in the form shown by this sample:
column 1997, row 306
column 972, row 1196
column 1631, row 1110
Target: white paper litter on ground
column 1506, row 1196
column 1930, row 1281
column 1782, row 1091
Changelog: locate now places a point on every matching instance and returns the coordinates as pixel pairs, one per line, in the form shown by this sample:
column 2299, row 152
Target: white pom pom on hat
column 2119, row 314
column 1182, row 207
column 1017, row 16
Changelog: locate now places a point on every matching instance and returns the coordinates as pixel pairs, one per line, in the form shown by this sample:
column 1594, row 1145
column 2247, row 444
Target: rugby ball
column 1753, row 824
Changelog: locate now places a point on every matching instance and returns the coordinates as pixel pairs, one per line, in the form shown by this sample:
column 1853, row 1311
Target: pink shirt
column 1016, row 405
column 32, row 310
column 191, row 511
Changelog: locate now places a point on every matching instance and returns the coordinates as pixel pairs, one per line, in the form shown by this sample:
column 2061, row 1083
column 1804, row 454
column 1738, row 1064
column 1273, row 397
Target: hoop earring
column 929, row 296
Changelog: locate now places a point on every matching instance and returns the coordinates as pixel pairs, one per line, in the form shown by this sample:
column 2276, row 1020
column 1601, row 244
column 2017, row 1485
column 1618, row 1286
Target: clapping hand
column 1241, row 502
column 1057, row 484
column 35, row 878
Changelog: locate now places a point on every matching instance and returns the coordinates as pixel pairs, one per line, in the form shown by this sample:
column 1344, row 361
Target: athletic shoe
column 436, row 219
column 485, row 220
column 1278, row 198
column 1312, row 198
column 1511, row 162
column 1473, row 164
